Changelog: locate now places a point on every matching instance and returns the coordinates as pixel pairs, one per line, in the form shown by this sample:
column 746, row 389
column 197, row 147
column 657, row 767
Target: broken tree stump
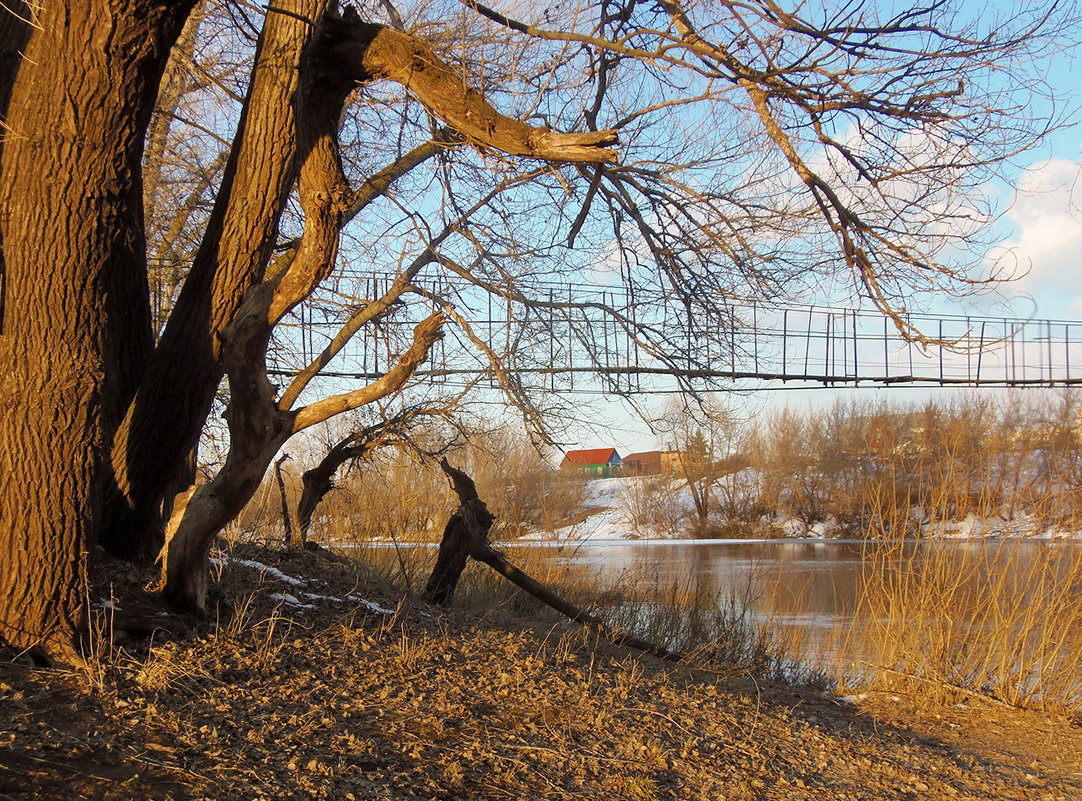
column 466, row 537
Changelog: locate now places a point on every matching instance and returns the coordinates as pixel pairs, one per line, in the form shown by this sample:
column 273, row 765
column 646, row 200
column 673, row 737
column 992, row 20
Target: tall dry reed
column 996, row 619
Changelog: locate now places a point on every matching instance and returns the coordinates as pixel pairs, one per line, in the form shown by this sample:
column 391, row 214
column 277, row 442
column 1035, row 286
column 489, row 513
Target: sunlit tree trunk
column 164, row 421
column 75, row 306
column 171, row 406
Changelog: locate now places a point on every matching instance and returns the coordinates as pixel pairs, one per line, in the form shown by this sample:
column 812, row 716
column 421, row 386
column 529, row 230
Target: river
column 816, row 591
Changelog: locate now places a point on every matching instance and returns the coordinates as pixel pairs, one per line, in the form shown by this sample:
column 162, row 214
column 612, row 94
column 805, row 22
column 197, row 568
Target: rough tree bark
column 74, row 267
column 15, row 30
column 258, row 428
column 175, row 397
column 466, row 537
column 164, row 420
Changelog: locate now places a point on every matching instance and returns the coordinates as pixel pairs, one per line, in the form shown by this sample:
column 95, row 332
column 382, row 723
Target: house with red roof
column 600, row 462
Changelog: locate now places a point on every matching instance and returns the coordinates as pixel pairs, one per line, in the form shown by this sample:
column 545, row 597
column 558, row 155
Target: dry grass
column 999, row 619
column 1012, row 458
column 979, row 622
column 282, row 703
column 719, row 629
column 394, row 496
column 1002, row 620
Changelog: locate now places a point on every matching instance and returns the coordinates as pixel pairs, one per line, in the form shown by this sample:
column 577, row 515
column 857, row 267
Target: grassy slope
column 337, row 702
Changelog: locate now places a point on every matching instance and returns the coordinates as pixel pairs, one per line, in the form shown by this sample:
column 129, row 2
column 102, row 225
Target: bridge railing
column 566, row 337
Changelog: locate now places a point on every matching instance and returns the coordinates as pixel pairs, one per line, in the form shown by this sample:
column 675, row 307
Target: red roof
column 591, row 456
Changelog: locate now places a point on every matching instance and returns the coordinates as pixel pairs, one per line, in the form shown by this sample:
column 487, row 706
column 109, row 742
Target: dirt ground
column 344, row 701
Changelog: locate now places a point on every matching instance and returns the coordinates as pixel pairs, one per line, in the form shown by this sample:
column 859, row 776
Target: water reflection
column 809, row 588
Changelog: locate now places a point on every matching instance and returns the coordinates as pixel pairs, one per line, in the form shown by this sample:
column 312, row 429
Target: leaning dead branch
column 466, row 537
column 392, row 431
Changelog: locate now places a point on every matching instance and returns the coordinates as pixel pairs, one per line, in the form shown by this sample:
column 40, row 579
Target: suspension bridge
column 568, row 338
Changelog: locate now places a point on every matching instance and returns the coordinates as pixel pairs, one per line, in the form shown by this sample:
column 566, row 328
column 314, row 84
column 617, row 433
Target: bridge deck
column 576, row 337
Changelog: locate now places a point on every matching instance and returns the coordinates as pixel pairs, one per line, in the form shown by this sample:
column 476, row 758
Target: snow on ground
column 273, row 572
column 974, row 527
column 292, row 600
column 371, row 606
column 610, row 506
column 608, row 502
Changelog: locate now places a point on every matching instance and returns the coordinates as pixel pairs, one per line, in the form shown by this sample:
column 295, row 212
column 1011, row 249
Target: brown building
column 607, row 462
column 677, row 461
column 652, row 463
column 647, row 463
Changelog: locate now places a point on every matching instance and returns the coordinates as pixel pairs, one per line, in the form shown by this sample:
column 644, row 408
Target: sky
column 1042, row 227
column 1039, row 236
column 1046, row 231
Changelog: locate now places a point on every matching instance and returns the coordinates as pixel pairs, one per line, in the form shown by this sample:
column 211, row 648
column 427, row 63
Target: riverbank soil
column 331, row 697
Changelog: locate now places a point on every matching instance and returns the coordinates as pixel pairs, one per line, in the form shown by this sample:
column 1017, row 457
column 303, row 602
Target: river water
column 813, row 588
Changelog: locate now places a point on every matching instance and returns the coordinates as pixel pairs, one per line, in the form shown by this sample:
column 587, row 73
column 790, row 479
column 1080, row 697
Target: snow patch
column 314, row 596
column 291, row 600
column 609, row 515
column 273, row 572
column 371, row 606
column 852, row 699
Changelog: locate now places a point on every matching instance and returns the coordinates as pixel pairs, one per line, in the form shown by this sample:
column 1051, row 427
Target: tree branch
column 466, row 534
column 426, row 334
column 380, row 52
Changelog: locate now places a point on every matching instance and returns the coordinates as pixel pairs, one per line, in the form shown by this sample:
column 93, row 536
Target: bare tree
column 466, row 537
column 697, row 436
column 75, row 287
column 392, row 430
column 760, row 147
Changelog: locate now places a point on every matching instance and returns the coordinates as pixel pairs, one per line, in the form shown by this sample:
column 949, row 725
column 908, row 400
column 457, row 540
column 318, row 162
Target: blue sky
column 1040, row 233
column 1042, row 227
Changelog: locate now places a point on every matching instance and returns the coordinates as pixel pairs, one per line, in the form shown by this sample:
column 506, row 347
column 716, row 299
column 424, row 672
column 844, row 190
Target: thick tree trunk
column 204, row 511
column 71, row 228
column 468, row 526
column 175, row 396
column 165, row 419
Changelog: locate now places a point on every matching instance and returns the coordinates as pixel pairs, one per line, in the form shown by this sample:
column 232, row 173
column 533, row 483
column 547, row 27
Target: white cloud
column 1045, row 251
